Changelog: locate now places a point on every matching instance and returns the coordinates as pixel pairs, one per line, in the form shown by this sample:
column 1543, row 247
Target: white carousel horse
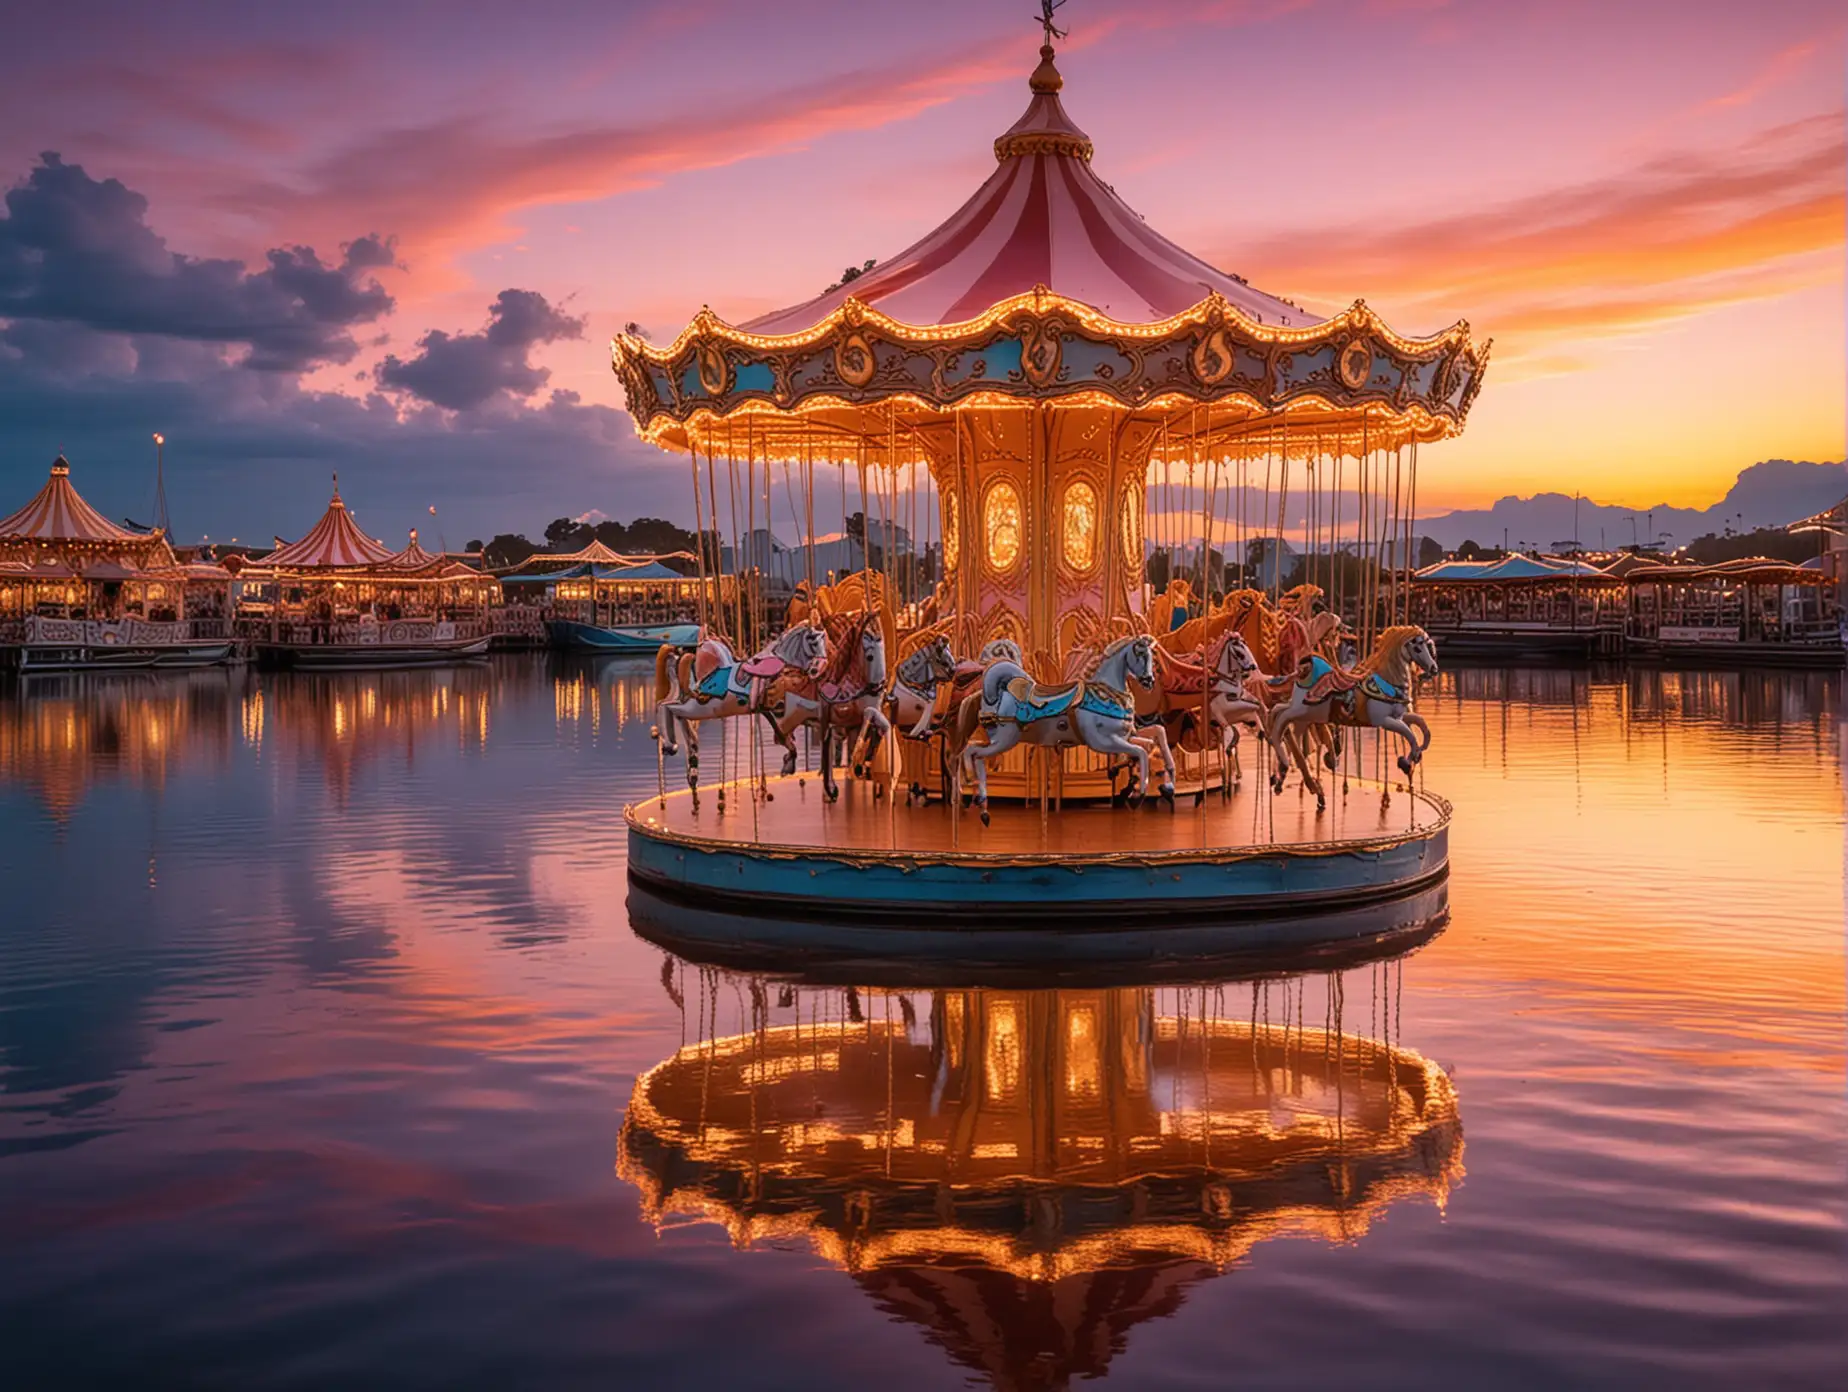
column 711, row 684
column 1096, row 712
column 964, row 689
column 1376, row 694
column 912, row 703
column 1228, row 700
column 846, row 694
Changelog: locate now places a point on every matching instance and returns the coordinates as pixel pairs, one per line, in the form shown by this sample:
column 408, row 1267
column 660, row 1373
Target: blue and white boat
column 621, row 638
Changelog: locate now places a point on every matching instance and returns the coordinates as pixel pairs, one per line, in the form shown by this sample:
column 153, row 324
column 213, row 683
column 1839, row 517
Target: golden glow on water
column 384, row 969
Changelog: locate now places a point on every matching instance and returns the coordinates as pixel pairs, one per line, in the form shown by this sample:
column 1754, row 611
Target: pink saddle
column 763, row 667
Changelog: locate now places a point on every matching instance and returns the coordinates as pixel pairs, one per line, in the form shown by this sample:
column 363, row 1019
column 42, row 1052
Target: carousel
column 81, row 593
column 1132, row 634
column 338, row 598
column 1028, row 1175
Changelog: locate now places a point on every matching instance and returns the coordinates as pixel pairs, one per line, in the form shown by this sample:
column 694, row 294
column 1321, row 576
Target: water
column 320, row 1017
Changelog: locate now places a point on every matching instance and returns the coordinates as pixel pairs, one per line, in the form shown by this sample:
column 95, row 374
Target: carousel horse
column 1296, row 641
column 711, row 684
column 845, row 695
column 1096, row 712
column 1203, row 694
column 1229, row 702
column 1377, row 694
column 911, row 704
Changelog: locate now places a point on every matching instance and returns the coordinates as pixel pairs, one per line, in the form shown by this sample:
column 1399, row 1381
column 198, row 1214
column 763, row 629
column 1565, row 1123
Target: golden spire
column 1046, row 77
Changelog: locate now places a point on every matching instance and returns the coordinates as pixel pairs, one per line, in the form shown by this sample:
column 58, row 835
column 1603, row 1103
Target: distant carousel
column 1115, row 507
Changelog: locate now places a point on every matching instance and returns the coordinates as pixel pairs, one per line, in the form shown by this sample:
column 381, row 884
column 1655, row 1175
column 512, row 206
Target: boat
column 598, row 600
column 354, row 656
column 338, row 599
column 621, row 638
column 1753, row 612
column 75, row 645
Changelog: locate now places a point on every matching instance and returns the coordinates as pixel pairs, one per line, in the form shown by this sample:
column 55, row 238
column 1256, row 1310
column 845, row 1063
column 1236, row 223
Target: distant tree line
column 645, row 536
column 1774, row 542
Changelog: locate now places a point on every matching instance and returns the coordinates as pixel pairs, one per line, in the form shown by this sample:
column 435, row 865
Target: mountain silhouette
column 1768, row 494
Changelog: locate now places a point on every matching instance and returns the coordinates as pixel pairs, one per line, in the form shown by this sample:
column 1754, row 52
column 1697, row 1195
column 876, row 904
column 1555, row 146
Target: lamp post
column 160, row 484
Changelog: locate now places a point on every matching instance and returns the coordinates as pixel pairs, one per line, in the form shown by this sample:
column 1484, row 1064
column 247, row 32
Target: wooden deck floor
column 798, row 817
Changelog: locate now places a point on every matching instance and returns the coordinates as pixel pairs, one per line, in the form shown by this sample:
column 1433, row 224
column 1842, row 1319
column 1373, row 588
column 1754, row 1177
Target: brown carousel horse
column 846, row 694
column 1376, row 694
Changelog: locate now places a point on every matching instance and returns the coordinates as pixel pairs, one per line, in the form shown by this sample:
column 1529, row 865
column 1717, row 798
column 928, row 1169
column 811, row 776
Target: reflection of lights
column 1002, row 1058
column 253, row 719
column 1081, row 1060
column 340, row 718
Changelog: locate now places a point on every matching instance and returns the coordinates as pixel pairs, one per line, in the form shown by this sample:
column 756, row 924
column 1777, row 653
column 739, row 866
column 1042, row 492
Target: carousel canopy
column 651, row 570
column 596, row 554
column 1752, row 570
column 1831, row 520
column 413, row 556
column 1510, row 568
column 1046, row 286
column 1043, row 219
column 59, row 513
column 335, row 541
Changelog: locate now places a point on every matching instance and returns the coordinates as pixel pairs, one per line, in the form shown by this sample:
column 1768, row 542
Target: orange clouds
column 452, row 184
column 1671, row 237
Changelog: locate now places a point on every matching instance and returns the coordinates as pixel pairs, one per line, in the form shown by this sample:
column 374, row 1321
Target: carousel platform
column 1083, row 867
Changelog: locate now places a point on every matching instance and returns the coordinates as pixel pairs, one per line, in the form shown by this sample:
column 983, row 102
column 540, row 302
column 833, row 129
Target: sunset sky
column 1641, row 203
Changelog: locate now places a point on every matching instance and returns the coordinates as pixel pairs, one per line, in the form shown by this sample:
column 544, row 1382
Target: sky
column 393, row 241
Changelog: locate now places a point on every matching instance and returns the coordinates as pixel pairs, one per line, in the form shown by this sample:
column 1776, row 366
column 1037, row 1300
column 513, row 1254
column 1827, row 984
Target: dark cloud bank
column 106, row 335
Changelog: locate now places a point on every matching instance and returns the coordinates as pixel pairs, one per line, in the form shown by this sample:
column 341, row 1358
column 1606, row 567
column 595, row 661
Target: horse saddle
column 1325, row 680
column 765, row 666
column 1185, row 676
column 714, row 684
column 834, row 692
column 1377, row 688
column 1035, row 702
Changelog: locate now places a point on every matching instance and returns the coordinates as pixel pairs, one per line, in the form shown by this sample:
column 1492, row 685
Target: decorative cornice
column 1041, row 346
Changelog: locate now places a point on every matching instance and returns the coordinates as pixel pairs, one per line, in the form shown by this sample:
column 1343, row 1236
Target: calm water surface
column 321, row 1026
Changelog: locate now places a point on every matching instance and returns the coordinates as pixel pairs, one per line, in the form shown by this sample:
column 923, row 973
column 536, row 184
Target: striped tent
column 58, row 513
column 1042, row 218
column 335, row 541
column 413, row 556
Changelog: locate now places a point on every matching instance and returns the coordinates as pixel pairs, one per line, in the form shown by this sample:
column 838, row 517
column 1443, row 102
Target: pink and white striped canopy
column 413, row 555
column 335, row 541
column 1043, row 218
column 58, row 513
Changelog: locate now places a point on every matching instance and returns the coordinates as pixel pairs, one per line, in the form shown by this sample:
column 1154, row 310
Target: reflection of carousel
column 1029, row 1174
column 1118, row 448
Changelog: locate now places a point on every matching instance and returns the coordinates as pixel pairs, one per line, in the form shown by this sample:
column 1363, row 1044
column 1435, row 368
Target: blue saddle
column 1379, row 689
column 1027, row 710
column 717, row 683
column 1100, row 700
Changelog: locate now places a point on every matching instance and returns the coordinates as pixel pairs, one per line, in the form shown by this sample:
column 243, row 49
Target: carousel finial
column 1046, row 79
column 1047, row 10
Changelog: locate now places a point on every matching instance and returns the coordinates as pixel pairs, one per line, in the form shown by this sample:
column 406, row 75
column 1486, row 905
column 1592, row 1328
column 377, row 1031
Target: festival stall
column 601, row 600
column 79, row 591
column 1752, row 611
column 1520, row 606
column 339, row 598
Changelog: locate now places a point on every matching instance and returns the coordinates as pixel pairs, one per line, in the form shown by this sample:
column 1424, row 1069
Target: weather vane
column 1047, row 9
